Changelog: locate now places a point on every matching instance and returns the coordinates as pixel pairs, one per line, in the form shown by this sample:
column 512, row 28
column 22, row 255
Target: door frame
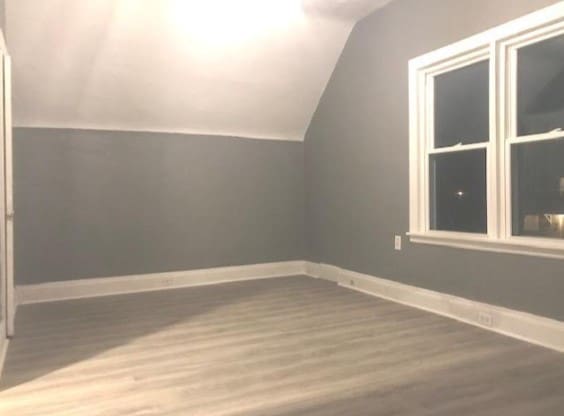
column 6, row 192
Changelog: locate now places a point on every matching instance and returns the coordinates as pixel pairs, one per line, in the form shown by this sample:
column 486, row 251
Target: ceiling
column 249, row 68
column 343, row 9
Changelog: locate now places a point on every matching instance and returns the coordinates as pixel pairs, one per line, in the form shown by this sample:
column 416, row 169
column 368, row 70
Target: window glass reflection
column 540, row 87
column 458, row 191
column 462, row 106
column 538, row 189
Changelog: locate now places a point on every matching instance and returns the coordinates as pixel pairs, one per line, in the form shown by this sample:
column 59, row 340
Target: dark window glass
column 540, row 87
column 538, row 189
column 458, row 191
column 462, row 106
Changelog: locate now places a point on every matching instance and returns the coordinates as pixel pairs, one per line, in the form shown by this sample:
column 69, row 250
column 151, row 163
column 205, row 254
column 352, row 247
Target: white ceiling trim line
column 187, row 132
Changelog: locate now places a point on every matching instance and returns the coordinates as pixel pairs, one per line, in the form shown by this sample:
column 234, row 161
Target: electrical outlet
column 485, row 318
column 397, row 242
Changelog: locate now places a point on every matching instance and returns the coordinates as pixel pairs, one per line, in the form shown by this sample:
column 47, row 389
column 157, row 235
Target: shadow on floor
column 53, row 336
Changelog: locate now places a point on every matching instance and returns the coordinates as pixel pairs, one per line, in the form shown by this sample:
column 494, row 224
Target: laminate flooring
column 276, row 347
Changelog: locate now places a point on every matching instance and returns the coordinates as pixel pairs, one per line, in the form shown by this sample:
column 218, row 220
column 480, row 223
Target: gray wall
column 3, row 16
column 357, row 163
column 95, row 204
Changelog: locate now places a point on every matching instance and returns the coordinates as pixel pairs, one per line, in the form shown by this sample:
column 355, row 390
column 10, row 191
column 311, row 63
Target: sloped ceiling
column 250, row 68
column 344, row 9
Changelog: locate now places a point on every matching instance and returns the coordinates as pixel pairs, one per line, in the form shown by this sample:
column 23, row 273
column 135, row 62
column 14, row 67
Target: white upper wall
column 251, row 68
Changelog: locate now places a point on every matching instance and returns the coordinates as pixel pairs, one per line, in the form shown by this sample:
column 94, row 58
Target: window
column 487, row 140
column 457, row 158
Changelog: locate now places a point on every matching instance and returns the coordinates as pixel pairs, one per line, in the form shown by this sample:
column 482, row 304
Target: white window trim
column 500, row 46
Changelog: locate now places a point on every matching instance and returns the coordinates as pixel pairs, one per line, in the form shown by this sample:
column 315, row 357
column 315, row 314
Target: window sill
column 517, row 245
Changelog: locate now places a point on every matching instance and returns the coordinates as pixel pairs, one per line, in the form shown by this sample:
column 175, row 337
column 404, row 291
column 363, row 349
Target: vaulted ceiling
column 251, row 68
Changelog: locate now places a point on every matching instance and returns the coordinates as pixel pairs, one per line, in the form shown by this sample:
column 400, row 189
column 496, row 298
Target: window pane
column 540, row 87
column 458, row 191
column 462, row 106
column 538, row 189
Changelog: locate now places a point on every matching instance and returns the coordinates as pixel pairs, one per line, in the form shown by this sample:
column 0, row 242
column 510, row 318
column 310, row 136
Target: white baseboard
column 86, row 288
column 524, row 326
column 312, row 269
column 535, row 329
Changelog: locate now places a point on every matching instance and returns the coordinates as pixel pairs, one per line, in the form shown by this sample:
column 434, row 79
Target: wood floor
column 279, row 347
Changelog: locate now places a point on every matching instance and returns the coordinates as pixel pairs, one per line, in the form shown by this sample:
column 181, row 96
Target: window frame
column 500, row 45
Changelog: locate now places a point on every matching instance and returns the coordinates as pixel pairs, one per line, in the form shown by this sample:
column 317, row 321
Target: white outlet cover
column 485, row 318
column 397, row 242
